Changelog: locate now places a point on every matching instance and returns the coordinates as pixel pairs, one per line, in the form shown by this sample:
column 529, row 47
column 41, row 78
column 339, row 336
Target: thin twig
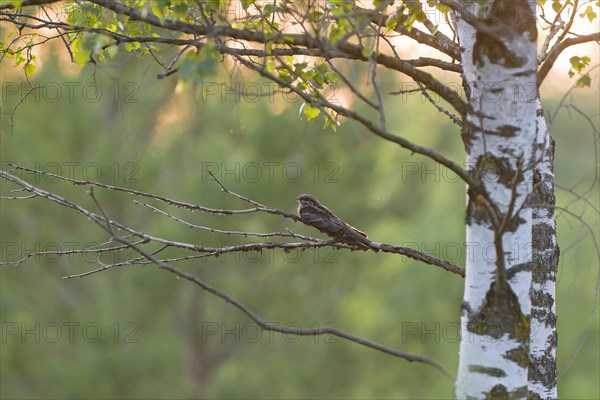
column 437, row 105
column 270, row 326
column 216, row 251
column 188, row 206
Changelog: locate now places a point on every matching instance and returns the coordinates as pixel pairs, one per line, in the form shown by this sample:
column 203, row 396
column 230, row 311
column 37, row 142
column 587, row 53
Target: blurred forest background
column 161, row 337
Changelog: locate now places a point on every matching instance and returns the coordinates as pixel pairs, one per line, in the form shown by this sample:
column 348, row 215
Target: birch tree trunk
column 500, row 128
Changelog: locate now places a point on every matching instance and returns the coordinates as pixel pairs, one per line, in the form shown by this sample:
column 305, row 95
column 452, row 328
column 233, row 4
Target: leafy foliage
column 578, row 64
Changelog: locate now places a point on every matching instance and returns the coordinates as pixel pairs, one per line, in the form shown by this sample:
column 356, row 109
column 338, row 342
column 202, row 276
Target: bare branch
column 270, row 326
column 114, row 265
column 92, row 249
column 350, row 85
column 308, row 242
column 366, row 123
column 567, row 27
column 555, row 26
column 239, row 196
column 24, row 3
column 559, row 48
column 169, row 69
column 307, row 331
column 225, row 232
column 380, row 106
column 435, row 62
column 179, row 204
column 437, row 41
column 437, row 105
column 417, row 255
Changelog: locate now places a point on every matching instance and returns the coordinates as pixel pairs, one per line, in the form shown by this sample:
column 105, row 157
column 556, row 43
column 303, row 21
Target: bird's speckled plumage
column 315, row 214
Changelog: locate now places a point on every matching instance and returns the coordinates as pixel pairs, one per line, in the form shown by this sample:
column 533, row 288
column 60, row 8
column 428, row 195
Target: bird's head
column 307, row 198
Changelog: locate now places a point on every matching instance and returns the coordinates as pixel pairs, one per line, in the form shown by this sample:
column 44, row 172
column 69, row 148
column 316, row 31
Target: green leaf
column 270, row 66
column 391, row 23
column 315, row 15
column 310, row 111
column 181, row 9
column 335, row 34
column 132, row 46
column 579, row 63
column 29, row 69
column 299, row 68
column 421, row 16
column 196, row 67
column 82, row 50
column 409, row 22
column 442, row 8
column 285, row 76
column 160, row 10
column 247, row 3
column 112, row 51
column 330, row 122
column 217, row 4
column 19, row 59
column 556, row 5
column 589, row 13
column 268, row 10
column 366, row 52
column 585, row 80
column 208, row 62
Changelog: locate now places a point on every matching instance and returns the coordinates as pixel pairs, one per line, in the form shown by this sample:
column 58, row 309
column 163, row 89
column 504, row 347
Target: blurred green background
column 137, row 332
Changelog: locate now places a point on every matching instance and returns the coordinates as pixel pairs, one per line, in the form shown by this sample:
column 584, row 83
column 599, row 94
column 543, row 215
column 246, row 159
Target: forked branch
column 304, row 242
column 327, row 330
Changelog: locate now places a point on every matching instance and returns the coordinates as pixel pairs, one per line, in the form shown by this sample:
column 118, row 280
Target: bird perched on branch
column 315, row 214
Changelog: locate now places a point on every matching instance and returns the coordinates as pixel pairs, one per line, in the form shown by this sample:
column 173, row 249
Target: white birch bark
column 545, row 252
column 499, row 67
